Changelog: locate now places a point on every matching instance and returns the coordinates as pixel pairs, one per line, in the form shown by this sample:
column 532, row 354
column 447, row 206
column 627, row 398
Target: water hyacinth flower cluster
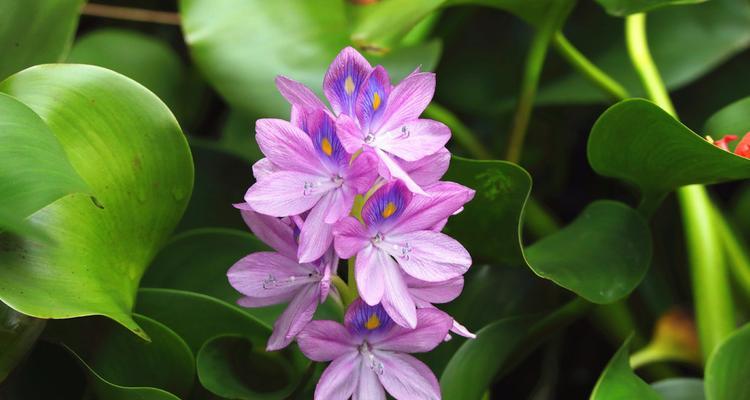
column 359, row 180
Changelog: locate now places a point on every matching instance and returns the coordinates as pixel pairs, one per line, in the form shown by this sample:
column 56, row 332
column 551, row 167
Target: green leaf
column 680, row 389
column 621, row 8
column 733, row 119
column 34, row 169
column 18, row 333
column 602, row 256
column 232, row 367
column 638, row 142
column 242, row 45
column 603, row 268
column 498, row 345
column 143, row 58
column 197, row 317
column 124, row 367
column 489, row 226
column 127, row 146
column 726, row 369
column 619, row 382
column 35, row 32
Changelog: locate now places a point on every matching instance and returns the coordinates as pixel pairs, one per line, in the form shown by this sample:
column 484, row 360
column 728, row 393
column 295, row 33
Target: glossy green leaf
column 197, row 317
column 221, row 179
column 124, row 367
column 110, row 127
column 18, row 333
column 726, row 369
column 232, row 367
column 35, row 32
column 686, row 43
column 34, row 169
column 733, row 119
column 242, row 45
column 638, row 142
column 603, row 268
column 489, row 225
column 619, row 382
column 143, row 58
column 680, row 389
column 497, row 347
column 622, row 8
column 602, row 256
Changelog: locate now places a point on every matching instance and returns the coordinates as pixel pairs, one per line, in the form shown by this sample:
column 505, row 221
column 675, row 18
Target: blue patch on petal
column 322, row 130
column 373, row 98
column 343, row 80
column 364, row 320
column 386, row 204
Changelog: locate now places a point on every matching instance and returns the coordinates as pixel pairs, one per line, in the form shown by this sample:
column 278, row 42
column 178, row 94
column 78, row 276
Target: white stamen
column 274, row 283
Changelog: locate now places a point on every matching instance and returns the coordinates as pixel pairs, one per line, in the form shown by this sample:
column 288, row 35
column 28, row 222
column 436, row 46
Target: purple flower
column 399, row 233
column 425, row 294
column 368, row 354
column 307, row 169
column 267, row 278
column 374, row 115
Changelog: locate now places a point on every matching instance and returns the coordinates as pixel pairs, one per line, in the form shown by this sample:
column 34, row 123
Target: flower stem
column 529, row 84
column 461, row 133
column 347, row 295
column 713, row 303
column 350, row 277
column 578, row 61
column 739, row 262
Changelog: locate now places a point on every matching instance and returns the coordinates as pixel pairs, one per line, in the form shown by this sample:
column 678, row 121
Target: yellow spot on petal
column 349, row 85
column 373, row 322
column 325, row 145
column 389, row 209
column 375, row 101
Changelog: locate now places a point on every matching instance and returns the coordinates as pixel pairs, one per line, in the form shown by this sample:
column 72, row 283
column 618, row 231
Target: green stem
column 576, row 59
column 635, row 34
column 529, row 84
column 347, row 295
column 461, row 133
column 713, row 303
column 739, row 262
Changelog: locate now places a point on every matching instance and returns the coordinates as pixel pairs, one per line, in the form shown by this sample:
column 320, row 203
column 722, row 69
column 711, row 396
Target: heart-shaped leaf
column 733, row 119
column 35, row 32
column 726, row 369
column 241, row 45
column 124, row 367
column 34, row 169
column 638, row 142
column 619, row 382
column 603, row 268
column 602, row 256
column 123, row 141
column 489, row 226
column 622, row 8
column 680, row 389
column 232, row 367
